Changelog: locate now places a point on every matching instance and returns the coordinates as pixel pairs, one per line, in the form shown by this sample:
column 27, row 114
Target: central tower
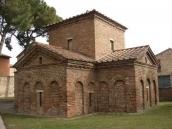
column 91, row 34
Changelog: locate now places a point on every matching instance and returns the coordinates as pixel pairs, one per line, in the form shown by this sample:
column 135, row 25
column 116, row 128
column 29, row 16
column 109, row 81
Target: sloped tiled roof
column 169, row 49
column 59, row 51
column 65, row 53
column 125, row 54
column 92, row 12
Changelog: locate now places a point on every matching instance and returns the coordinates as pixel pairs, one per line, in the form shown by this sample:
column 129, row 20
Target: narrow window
column 40, row 99
column 40, row 60
column 90, row 99
column 69, row 44
column 146, row 60
column 112, row 45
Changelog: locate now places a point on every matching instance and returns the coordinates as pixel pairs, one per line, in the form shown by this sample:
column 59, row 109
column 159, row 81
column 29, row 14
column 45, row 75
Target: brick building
column 4, row 65
column 165, row 74
column 85, row 69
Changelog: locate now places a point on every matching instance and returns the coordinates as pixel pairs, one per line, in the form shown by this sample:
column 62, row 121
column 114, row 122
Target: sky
column 149, row 22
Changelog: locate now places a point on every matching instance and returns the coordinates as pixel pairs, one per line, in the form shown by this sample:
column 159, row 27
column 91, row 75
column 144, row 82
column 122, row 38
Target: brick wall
column 104, row 32
column 90, row 36
column 120, row 83
column 51, row 81
column 81, row 32
column 146, row 95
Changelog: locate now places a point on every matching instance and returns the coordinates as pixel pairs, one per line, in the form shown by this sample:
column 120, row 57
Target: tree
column 25, row 20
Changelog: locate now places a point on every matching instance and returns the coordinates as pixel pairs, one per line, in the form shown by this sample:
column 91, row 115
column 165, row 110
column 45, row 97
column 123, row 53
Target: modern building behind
column 165, row 74
column 6, row 77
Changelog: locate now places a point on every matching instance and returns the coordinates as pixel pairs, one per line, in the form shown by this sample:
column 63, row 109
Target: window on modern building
column 40, row 60
column 112, row 45
column 69, row 44
column 164, row 81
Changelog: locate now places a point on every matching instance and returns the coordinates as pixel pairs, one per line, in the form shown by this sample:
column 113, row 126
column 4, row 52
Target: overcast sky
column 148, row 21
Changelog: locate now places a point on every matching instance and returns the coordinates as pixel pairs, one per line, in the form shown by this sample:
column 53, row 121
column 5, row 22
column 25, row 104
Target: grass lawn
column 157, row 118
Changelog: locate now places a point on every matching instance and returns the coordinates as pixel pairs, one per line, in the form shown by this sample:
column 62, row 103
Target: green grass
column 156, row 118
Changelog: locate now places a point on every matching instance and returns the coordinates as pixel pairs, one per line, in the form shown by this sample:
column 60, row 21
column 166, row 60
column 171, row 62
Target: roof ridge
column 87, row 13
column 131, row 48
column 163, row 51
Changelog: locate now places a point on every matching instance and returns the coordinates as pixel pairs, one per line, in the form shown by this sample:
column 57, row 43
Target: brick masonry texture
column 50, row 81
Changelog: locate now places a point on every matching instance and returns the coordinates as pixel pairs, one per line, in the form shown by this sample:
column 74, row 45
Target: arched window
column 155, row 91
column 39, row 93
column 54, row 87
column 79, row 98
column 91, row 94
column 40, row 60
column 142, row 95
column 149, row 99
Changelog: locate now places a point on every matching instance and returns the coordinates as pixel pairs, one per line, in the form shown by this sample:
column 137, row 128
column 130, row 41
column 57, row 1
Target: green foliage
column 25, row 20
column 156, row 118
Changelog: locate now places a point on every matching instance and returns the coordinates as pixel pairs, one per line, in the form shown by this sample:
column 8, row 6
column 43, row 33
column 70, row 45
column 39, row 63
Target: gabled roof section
column 134, row 53
column 169, row 49
column 66, row 53
column 56, row 51
column 88, row 13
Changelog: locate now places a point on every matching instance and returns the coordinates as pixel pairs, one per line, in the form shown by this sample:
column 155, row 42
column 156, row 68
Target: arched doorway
column 91, row 97
column 39, row 96
column 155, row 91
column 79, row 98
column 26, row 98
column 103, row 97
column 142, row 95
column 148, row 87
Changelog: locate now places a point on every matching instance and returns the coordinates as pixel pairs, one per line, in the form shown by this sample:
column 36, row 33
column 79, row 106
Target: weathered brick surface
column 51, row 80
column 65, row 86
column 82, row 34
column 90, row 36
column 147, row 96
column 104, row 32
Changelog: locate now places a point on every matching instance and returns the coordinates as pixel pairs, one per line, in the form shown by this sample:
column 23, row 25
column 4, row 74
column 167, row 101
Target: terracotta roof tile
column 66, row 53
column 92, row 12
column 125, row 54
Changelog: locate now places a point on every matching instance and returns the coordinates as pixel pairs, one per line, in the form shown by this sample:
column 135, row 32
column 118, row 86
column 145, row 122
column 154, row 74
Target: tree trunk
column 1, row 43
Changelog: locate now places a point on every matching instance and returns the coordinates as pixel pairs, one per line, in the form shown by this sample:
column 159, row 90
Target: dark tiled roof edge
column 164, row 51
column 93, row 12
